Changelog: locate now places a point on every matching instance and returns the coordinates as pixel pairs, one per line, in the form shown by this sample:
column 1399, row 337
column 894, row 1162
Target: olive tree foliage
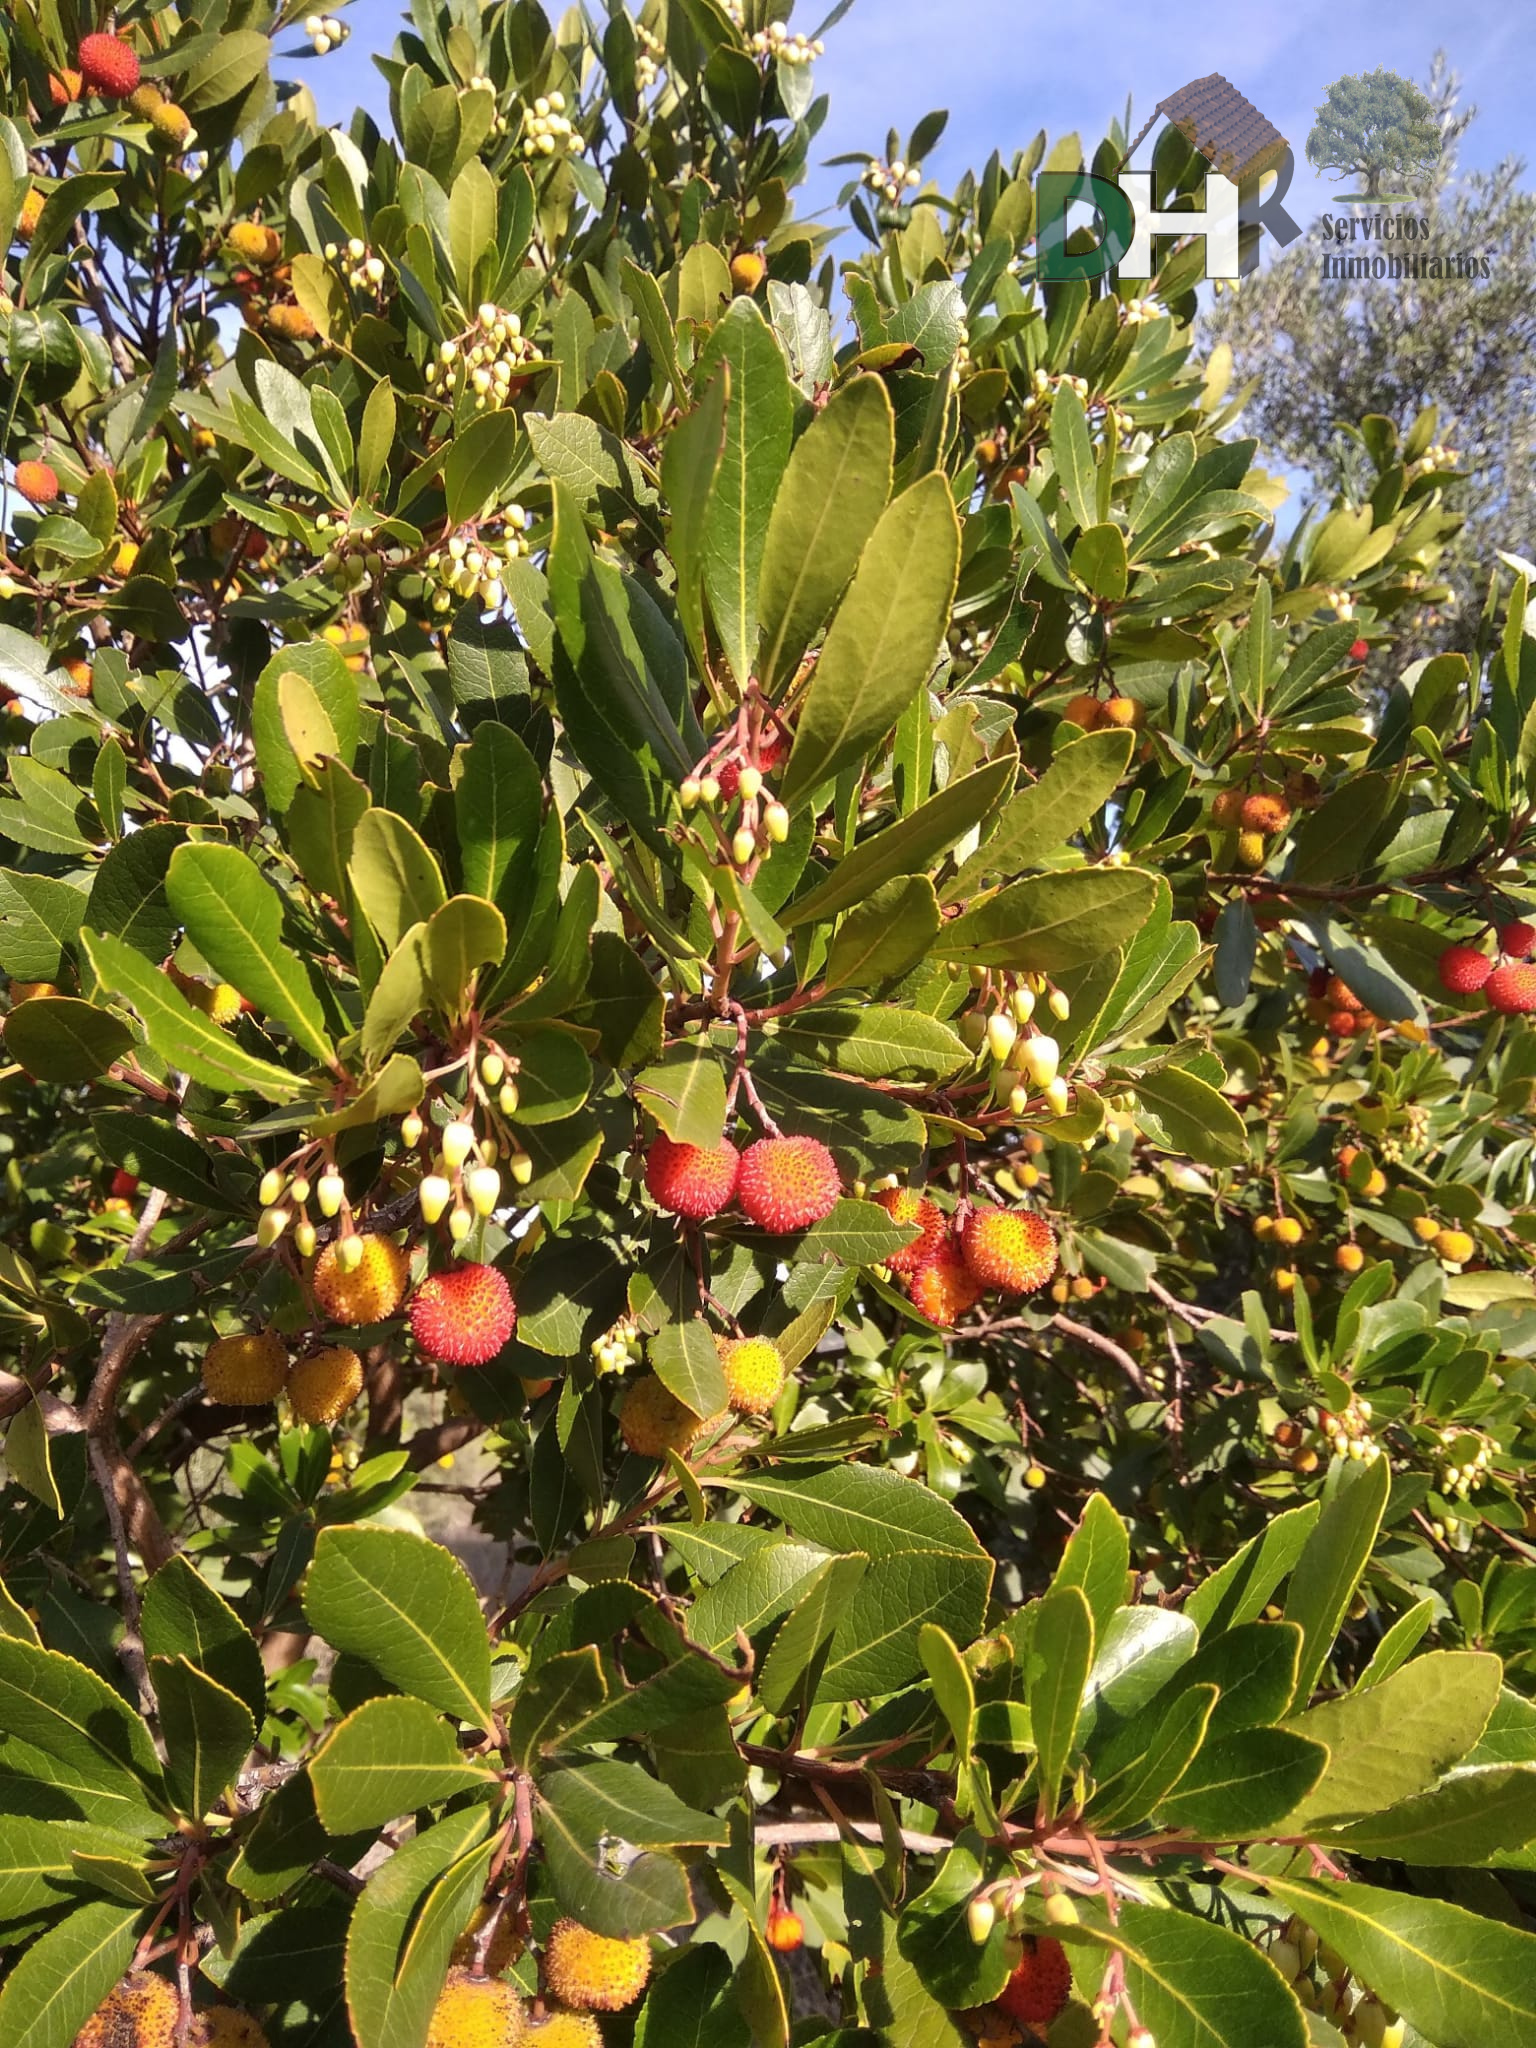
column 670, row 735
column 1377, row 126
column 1326, row 347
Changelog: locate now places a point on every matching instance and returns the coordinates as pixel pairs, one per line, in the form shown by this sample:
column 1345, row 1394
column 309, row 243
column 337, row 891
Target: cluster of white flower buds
column 547, row 130
column 352, row 559
column 619, row 1348
column 762, row 822
column 1025, row 1060
column 890, row 180
column 960, row 364
column 481, row 83
column 1135, row 311
column 473, row 568
column 1459, row 1475
column 775, row 41
column 1340, row 602
column 1324, row 1984
column 358, row 265
column 465, row 1182
column 1349, row 1434
column 490, row 355
column 1436, row 456
column 282, row 1198
column 648, row 61
column 325, row 33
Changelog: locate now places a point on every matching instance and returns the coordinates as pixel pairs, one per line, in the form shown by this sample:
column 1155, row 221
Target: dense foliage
column 727, row 925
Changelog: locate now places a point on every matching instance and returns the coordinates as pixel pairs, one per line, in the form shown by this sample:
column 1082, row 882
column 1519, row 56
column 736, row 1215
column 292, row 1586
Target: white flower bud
column 410, row 1130
column 980, row 1918
column 304, row 1238
column 434, row 1194
column 743, row 846
column 349, row 1253
column 1058, row 1005
column 273, row 1181
column 688, row 791
column 521, row 1167
column 458, row 1143
column 1042, row 1058
column 271, row 1227
column 300, row 1190
column 750, row 783
column 484, row 1186
column 776, row 823
column 492, row 1067
column 330, row 1193
column 1022, row 1004
column 1001, row 1033
column 1058, row 1095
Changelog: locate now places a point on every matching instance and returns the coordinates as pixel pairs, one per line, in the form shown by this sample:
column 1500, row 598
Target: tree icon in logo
column 1375, row 125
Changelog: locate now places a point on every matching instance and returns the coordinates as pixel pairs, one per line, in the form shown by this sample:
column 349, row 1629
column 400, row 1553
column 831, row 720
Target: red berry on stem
column 37, row 481
column 906, row 1205
column 463, row 1316
column 1463, row 970
column 1359, row 649
column 1511, row 989
column 788, row 1183
column 1518, row 939
column 110, row 65
column 691, row 1180
column 1041, row 1985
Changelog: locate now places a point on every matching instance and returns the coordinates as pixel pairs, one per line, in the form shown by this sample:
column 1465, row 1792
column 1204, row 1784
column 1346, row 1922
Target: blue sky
column 1005, row 69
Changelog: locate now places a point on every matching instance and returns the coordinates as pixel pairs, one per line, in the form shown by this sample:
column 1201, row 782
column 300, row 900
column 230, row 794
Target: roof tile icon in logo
column 1228, row 130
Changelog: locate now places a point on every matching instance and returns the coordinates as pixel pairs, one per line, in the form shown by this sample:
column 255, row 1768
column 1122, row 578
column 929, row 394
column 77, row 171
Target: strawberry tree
column 768, row 1172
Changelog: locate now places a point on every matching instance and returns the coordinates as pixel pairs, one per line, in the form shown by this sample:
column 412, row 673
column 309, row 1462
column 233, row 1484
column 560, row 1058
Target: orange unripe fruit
column 1349, row 1258
column 788, row 1183
column 1126, row 713
column 1455, row 1246
column 1013, row 1250
column 1040, row 1986
column 1084, row 710
column 255, row 243
column 31, row 213
column 944, row 1288
column 1426, row 1229
column 226, row 2026
column 141, row 2010
column 1268, row 814
column 37, row 481
column 476, row 2012
column 786, row 1931
column 324, row 1386
column 245, row 1371
column 748, row 271
column 594, row 1972
column 652, row 1421
column 754, row 1374
column 371, row 1292
column 1227, row 808
column 565, row 2030
column 1287, row 1230
column 292, row 323
column 64, row 87
column 80, row 678
column 906, row 1205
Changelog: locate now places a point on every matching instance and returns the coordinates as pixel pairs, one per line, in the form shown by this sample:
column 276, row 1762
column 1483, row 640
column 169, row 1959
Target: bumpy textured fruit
column 245, row 1371
column 292, row 323
column 565, row 2030
column 1511, row 989
column 1124, row 712
column 1227, row 808
column 593, row 1972
column 1349, row 1258
column 788, row 1183
column 754, row 1374
column 1359, row 649
column 226, row 2026
column 140, row 2011
column 254, row 243
column 652, row 1421
column 1041, row 1985
column 1518, row 939
column 1455, row 1246
column 323, row 1386
column 786, row 1931
column 906, row 1205
column 945, row 1288
column 464, row 1315
column 65, row 87
column 172, row 124
column 1013, row 1250
column 691, row 1180
column 476, row 2012
column 38, row 482
column 747, row 271
column 372, row 1292
column 145, row 99
column 109, row 65
column 1266, row 814
column 1083, row 710
column 31, row 214
column 124, row 1184
column 1463, row 970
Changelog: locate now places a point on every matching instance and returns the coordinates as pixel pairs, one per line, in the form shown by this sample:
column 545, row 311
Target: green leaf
column 323, row 668
column 389, row 1758
column 37, row 1870
column 394, row 876
column 1135, row 1653
column 875, row 1649
column 1469, row 1817
column 464, row 935
column 1147, row 1759
column 1330, row 1566
column 687, row 1362
column 237, row 60
column 482, row 460
column 1390, row 1742
column 886, row 936
column 65, row 1710
column 376, row 442
column 1097, row 1560
column 759, row 422
column 29, row 1459
column 208, row 1733
column 590, row 1822
column 1053, row 922
column 906, row 847
column 768, row 1582
column 952, row 1687
column 833, row 493
column 306, row 727
column 395, row 1088
column 1061, row 1656
column 409, row 1609
column 1197, row 1985
column 1255, row 1667
column 498, row 801
column 1072, row 453
column 128, row 899
column 1243, row 1783
column 1194, row 1117
column 1240, row 1590
column 685, row 1092
column 933, row 1935
column 1462, row 1981
column 59, row 1038
column 181, row 1035
column 234, row 917
column 320, row 823
column 184, row 1617
column 862, row 1507
column 876, row 1044
column 62, row 1976
column 691, row 2004
column 404, row 1926
column 1099, row 561
column 1039, row 822
column 109, row 779
column 690, row 464
column 399, row 996
column 794, row 1661
column 884, row 640
column 472, row 206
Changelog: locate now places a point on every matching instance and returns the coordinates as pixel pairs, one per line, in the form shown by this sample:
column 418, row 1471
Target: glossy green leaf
column 1061, row 1656
column 1195, row 1119
column 403, row 1928
column 1097, row 1560
column 181, row 1035
column 885, row 936
column 933, row 1935
column 685, row 1092
column 758, row 421
column 208, row 1733
column 64, row 1974
column 1328, row 1570
column 389, row 1758
column 184, row 1617
column 1041, row 820
column 463, row 935
column 1198, row 1985
column 394, row 876
column 1053, row 922
column 234, row 917
column 59, row 1038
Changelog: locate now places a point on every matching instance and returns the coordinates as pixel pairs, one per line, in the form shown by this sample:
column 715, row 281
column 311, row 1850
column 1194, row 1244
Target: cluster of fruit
column 890, row 180
column 618, row 1348
column 491, row 357
column 170, row 126
column 464, row 569
column 325, row 33
column 1340, row 603
column 465, row 1181
column 1135, row 312
column 1507, row 984
column 1256, row 816
column 653, row 1421
column 954, row 1261
column 1349, row 1435
column 143, row 2010
column 352, row 558
column 1026, row 1061
column 732, row 774
column 1322, row 1982
column 1468, row 1454
column 547, row 129
column 1452, row 1247
column 251, row 1369
column 1435, row 457
column 1091, row 711
column 776, row 45
column 648, row 58
column 361, row 268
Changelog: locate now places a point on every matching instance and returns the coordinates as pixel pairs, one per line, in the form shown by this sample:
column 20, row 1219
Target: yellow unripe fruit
column 142, row 2010
column 172, row 125
column 411, row 1128
column 476, row 2012
column 330, row 1193
column 743, row 846
column 371, row 1292
column 980, row 1918
column 1287, row 1230
column 1375, row 1183
column 754, row 1374
column 1034, row 1477
column 1285, row 1280
column 1349, row 1258
column 245, row 1371
column 255, row 244
column 323, row 1387
column 593, row 1972
column 1264, row 1225
column 492, row 1067
column 565, row 2030
column 126, row 558
column 1251, row 850
column 652, row 1421
column 1455, row 1247
column 1061, row 1910
column 226, row 2026
column 1426, row 1229
column 747, row 271
column 435, row 1194
column 223, row 1003
column 458, row 1142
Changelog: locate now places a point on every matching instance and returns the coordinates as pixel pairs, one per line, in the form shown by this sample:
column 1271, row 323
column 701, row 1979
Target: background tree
column 769, row 976
column 1375, row 125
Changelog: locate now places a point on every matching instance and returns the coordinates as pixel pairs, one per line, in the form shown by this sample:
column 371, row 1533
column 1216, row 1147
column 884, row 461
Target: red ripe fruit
column 110, row 65
column 944, row 1289
column 770, row 755
column 787, row 1183
column 124, row 1184
column 786, row 1931
column 38, row 482
column 1013, row 1250
column 1041, row 1985
column 1343, row 1023
column 1518, row 939
column 1463, row 970
column 691, row 1180
column 1511, row 989
column 906, row 1205
column 463, row 1316
column 1359, row 649
column 1340, row 996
